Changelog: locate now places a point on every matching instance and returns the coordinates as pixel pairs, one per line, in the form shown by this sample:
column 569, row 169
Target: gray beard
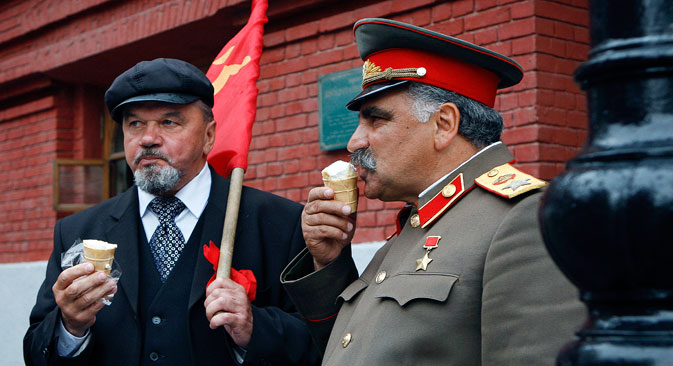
column 364, row 158
column 156, row 179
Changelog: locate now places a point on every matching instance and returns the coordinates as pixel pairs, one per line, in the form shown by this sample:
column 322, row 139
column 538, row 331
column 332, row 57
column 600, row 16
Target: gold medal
column 431, row 242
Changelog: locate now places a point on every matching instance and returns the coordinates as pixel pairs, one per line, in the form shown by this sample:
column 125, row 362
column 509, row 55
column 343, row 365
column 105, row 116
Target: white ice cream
column 98, row 244
column 339, row 170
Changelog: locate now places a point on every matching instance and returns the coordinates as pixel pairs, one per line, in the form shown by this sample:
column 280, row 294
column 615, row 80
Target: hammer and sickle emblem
column 227, row 70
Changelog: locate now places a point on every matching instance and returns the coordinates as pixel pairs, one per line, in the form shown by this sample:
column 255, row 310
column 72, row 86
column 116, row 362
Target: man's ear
column 448, row 120
column 209, row 136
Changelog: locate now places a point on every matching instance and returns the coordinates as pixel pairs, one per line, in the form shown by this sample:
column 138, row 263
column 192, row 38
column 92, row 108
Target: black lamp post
column 608, row 219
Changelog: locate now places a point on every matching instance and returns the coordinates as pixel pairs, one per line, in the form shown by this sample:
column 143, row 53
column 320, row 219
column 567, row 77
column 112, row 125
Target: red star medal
column 431, row 242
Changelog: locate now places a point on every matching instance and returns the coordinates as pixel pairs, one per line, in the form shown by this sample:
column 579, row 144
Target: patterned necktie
column 167, row 241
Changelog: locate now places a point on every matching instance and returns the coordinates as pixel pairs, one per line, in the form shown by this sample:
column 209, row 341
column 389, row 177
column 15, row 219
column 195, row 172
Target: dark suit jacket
column 268, row 236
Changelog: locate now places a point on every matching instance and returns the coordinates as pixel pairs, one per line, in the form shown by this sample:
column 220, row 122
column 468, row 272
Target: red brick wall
column 56, row 58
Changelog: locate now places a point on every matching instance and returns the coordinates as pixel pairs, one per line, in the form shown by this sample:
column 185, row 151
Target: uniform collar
column 440, row 196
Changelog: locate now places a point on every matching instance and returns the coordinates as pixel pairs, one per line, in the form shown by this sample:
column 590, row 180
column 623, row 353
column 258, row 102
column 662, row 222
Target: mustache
column 150, row 152
column 364, row 157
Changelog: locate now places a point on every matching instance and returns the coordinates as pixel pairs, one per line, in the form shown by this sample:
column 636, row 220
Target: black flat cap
column 396, row 53
column 161, row 80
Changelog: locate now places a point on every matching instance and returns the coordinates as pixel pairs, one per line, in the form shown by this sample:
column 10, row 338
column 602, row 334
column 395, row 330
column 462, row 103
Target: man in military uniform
column 466, row 279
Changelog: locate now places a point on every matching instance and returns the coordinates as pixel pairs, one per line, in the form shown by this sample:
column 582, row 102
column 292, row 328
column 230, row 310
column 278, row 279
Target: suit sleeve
column 316, row 293
column 39, row 343
column 529, row 309
column 279, row 335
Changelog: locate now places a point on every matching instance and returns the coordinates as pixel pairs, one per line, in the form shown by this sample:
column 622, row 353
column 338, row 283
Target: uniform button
column 493, row 173
column 346, row 340
column 154, row 356
column 415, row 221
column 448, row 190
column 45, row 352
column 381, row 276
column 156, row 320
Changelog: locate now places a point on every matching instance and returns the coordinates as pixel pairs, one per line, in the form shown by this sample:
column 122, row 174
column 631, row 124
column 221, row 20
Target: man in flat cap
column 466, row 279
column 161, row 312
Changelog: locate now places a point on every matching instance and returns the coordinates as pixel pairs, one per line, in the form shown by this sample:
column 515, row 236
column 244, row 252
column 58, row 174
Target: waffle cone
column 100, row 254
column 345, row 190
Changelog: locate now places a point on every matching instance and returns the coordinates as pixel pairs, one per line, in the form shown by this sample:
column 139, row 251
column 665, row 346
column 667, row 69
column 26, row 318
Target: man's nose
column 358, row 140
column 151, row 135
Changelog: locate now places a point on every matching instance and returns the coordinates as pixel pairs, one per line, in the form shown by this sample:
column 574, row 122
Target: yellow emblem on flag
column 227, row 70
column 508, row 181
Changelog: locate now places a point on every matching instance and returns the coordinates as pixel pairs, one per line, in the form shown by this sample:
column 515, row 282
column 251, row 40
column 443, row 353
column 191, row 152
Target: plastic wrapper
column 75, row 256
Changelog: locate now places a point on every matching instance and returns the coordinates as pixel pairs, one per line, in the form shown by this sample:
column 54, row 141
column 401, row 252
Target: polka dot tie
column 167, row 241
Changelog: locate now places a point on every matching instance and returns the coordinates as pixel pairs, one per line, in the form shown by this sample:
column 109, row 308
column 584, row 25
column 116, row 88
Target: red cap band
column 441, row 71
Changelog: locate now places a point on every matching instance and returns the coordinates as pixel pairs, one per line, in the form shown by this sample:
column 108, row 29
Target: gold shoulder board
column 507, row 181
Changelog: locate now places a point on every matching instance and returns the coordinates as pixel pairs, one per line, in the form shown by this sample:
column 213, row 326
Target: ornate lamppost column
column 608, row 219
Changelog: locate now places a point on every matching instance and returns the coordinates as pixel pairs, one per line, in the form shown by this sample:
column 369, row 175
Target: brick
column 561, row 12
column 523, row 45
column 518, row 135
column 344, row 37
column 364, row 235
column 292, row 181
column 291, row 122
column 386, row 217
column 305, row 30
column 544, row 27
column 522, row 9
column 481, row 5
column 577, row 51
column 451, row 28
column 309, row 46
column 289, row 94
column 441, row 12
column 326, row 41
column 335, row 22
column 377, row 10
column 292, row 50
column 485, row 36
column 552, row 115
column 462, row 7
column 398, row 6
column 325, row 58
column 516, row 28
column 487, row 18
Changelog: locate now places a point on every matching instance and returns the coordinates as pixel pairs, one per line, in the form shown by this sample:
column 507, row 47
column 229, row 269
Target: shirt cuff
column 70, row 345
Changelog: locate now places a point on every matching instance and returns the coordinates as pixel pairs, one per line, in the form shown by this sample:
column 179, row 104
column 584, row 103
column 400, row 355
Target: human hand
column 326, row 225
column 227, row 305
column 78, row 292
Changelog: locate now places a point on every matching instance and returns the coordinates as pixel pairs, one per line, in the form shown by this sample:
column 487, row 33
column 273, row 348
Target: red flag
column 234, row 74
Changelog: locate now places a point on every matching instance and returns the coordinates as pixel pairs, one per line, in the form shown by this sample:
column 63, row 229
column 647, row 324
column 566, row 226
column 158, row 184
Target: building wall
column 58, row 57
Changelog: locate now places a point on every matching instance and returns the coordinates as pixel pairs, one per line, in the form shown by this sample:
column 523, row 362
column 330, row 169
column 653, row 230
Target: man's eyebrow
column 368, row 111
column 174, row 114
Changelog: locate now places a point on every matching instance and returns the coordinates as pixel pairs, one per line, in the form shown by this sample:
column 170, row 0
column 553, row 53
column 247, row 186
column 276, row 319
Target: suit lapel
column 213, row 219
column 124, row 233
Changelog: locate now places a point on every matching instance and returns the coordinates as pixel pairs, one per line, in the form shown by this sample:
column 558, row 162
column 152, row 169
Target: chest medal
column 431, row 242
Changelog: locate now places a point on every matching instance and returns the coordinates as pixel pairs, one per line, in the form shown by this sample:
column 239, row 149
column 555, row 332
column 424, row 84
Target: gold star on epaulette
column 507, row 181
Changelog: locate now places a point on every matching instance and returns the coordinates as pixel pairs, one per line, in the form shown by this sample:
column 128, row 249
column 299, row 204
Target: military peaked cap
column 396, row 53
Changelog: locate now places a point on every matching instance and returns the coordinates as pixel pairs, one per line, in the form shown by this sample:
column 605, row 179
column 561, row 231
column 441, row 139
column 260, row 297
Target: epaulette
column 507, row 181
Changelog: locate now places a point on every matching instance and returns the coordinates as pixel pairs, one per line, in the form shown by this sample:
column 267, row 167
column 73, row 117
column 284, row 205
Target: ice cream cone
column 342, row 178
column 100, row 254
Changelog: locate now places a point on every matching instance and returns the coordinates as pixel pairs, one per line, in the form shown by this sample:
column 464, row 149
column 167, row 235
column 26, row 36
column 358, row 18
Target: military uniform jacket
column 268, row 235
column 490, row 295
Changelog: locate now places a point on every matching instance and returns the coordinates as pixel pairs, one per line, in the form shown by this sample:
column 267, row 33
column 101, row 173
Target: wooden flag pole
column 230, row 222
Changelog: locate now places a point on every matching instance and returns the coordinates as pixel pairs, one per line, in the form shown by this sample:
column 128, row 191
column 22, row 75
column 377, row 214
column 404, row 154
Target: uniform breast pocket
column 407, row 287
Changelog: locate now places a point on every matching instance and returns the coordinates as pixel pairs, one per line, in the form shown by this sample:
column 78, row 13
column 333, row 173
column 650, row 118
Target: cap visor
column 173, row 98
column 354, row 104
